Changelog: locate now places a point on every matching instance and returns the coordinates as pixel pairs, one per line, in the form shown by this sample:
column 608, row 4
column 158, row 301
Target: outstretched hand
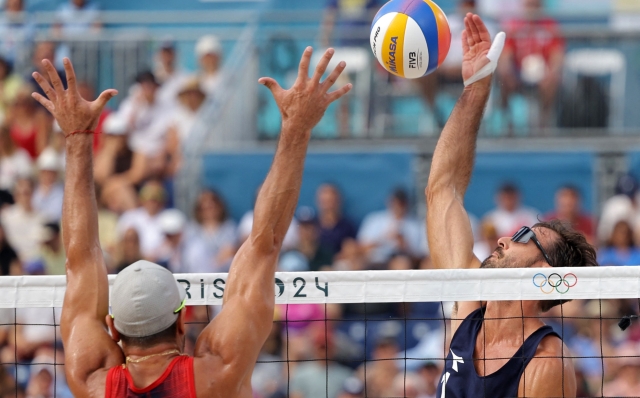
column 480, row 56
column 72, row 112
column 303, row 105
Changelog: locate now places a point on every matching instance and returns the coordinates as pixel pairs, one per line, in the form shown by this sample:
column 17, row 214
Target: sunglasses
column 524, row 235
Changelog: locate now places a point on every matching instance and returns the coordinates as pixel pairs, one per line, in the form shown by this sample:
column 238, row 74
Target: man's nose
column 504, row 242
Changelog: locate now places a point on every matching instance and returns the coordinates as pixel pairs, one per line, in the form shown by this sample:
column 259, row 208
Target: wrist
column 480, row 88
column 294, row 129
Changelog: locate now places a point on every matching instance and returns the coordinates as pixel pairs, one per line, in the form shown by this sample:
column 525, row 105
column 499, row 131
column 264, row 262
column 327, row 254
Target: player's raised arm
column 448, row 226
column 87, row 345
column 249, row 297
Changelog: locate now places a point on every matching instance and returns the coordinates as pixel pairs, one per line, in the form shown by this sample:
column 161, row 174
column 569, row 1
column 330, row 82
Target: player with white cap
column 147, row 303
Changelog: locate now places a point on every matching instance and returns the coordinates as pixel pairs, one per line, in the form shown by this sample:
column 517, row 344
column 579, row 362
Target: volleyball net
column 360, row 333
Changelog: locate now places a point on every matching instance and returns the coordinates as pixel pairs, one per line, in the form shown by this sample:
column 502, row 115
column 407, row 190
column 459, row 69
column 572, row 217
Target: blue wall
column 365, row 178
column 538, row 175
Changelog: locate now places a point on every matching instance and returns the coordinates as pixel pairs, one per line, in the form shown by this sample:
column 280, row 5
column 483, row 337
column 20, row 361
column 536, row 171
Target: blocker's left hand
column 480, row 56
column 72, row 112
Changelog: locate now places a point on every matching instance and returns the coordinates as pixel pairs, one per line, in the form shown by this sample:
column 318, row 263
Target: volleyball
column 410, row 38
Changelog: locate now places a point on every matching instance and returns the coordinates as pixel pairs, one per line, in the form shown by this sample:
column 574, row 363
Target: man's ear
column 115, row 335
column 181, row 326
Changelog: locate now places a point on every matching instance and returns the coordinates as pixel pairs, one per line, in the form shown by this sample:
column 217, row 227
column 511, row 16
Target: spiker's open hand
column 480, row 55
column 72, row 112
column 304, row 104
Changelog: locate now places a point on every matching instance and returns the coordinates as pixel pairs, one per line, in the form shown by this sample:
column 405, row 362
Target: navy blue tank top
column 459, row 377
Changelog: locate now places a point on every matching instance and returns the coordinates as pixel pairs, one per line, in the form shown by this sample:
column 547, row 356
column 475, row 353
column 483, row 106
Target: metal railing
column 226, row 120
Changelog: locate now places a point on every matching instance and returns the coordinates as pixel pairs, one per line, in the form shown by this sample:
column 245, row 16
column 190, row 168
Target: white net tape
column 376, row 286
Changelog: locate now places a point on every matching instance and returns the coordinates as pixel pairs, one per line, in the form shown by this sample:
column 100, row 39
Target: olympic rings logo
column 560, row 284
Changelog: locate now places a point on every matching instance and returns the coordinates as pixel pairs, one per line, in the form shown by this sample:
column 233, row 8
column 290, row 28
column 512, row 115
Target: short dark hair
column 163, row 336
column 508, row 187
column 400, row 195
column 146, row 77
column 571, row 250
column 571, row 188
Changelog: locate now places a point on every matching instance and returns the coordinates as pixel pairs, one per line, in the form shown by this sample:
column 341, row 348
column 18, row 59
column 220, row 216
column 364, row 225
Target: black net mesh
column 355, row 350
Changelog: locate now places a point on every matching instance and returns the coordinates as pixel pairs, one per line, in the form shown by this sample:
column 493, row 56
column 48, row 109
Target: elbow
column 434, row 188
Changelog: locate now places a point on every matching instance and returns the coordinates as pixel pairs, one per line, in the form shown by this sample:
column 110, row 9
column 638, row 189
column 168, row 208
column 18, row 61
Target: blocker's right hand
column 72, row 112
column 303, row 105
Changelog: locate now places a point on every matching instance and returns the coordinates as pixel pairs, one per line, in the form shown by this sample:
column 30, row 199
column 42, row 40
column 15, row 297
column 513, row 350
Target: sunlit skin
column 507, row 323
column 227, row 349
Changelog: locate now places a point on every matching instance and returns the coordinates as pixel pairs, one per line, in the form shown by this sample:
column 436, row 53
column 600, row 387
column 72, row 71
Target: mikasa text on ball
column 410, row 38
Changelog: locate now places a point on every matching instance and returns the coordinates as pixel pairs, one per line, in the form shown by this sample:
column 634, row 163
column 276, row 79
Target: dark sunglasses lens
column 523, row 235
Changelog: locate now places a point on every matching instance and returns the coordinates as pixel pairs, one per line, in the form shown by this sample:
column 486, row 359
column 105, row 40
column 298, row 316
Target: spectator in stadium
column 146, row 120
column 182, row 251
column 569, row 208
column 510, row 214
column 620, row 249
column 624, row 205
column 334, row 226
column 385, row 232
column 15, row 162
column 246, row 223
column 314, row 256
column 351, row 257
column 47, row 197
column 533, row 57
column 190, row 98
column 76, row 18
column 409, row 385
column 382, row 369
column 499, row 10
column 352, row 388
column 347, row 22
column 309, row 378
column 9, row 262
column 449, row 73
column 167, row 71
column 145, row 219
column 209, row 53
column 10, row 84
column 21, row 222
column 114, row 156
column 29, row 125
column 216, row 229
column 266, row 379
column 626, row 381
column 43, row 50
column 17, row 32
column 87, row 92
column 8, row 384
column 430, row 373
column 129, row 250
column 52, row 252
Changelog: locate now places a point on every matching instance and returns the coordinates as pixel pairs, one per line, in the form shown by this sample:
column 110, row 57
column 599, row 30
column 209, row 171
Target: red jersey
column 177, row 381
column 25, row 140
column 533, row 37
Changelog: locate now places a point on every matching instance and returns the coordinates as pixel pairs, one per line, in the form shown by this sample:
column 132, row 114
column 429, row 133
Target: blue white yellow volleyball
column 410, row 38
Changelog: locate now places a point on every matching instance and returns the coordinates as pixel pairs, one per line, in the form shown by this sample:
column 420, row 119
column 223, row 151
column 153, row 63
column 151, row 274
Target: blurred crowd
column 532, row 93
column 137, row 157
